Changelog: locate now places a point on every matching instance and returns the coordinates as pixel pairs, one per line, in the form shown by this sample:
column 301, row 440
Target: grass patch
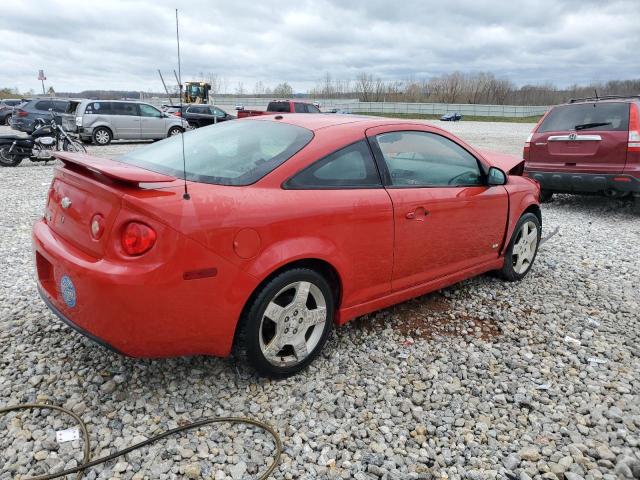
column 469, row 118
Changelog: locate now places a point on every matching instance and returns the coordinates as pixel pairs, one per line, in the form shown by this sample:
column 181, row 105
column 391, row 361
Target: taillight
column 97, row 226
column 634, row 129
column 21, row 113
column 178, row 114
column 527, row 143
column 137, row 238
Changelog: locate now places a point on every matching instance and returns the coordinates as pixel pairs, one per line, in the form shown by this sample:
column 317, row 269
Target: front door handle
column 419, row 213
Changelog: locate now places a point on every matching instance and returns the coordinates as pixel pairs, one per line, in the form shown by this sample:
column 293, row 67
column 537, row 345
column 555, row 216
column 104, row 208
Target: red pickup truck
column 281, row 106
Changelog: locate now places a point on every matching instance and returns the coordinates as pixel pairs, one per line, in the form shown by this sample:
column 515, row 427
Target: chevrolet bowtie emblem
column 65, row 202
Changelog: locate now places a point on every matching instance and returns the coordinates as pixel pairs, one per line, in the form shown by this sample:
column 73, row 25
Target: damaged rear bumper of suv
column 585, row 182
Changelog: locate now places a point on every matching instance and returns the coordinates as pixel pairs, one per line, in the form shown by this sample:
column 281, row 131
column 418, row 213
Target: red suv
column 589, row 145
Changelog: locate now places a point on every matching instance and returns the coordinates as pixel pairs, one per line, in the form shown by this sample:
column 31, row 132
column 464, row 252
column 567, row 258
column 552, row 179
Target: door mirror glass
column 496, row 177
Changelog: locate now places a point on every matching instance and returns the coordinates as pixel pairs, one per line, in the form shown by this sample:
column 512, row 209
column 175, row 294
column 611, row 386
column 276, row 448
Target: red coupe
column 292, row 223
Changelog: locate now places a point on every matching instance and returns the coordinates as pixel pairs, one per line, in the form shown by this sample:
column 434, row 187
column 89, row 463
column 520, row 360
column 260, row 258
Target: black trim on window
column 386, row 175
column 289, row 183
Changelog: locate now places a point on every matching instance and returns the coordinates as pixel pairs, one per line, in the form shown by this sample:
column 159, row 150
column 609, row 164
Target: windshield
column 229, row 153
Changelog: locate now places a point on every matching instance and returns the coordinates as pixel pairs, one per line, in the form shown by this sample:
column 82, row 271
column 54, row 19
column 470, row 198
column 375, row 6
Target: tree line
column 458, row 87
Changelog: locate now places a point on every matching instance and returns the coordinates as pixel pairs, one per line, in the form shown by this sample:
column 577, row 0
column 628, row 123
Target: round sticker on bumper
column 68, row 291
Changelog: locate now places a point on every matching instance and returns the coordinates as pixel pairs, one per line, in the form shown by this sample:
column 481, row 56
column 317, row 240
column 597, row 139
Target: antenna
column 185, row 195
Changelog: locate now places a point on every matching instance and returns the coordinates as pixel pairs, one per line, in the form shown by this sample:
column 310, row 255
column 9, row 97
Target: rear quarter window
column 98, row 108
column 281, row 107
column 588, row 117
column 43, row 105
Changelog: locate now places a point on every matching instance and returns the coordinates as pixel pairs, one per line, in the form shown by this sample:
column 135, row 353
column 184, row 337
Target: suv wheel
column 102, row 136
column 286, row 324
column 175, row 131
column 522, row 249
column 7, row 120
column 545, row 196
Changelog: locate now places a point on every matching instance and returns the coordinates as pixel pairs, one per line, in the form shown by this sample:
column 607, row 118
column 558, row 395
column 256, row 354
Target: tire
column 286, row 314
column 7, row 120
column 7, row 159
column 521, row 254
column 545, row 196
column 68, row 146
column 174, row 131
column 102, row 136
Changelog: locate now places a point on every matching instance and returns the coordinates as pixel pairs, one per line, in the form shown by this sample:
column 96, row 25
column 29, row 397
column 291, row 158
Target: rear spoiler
column 112, row 169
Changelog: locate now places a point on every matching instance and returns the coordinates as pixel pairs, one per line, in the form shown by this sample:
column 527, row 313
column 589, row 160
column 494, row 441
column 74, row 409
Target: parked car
column 290, row 226
column 102, row 121
column 451, row 117
column 588, row 145
column 24, row 116
column 173, row 109
column 6, row 109
column 203, row 115
column 280, row 106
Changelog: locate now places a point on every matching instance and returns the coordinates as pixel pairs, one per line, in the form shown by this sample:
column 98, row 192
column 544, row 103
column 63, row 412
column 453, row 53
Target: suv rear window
column 613, row 116
column 281, row 107
column 229, row 153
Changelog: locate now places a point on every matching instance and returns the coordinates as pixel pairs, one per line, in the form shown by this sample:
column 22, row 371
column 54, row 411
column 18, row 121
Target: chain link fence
column 356, row 106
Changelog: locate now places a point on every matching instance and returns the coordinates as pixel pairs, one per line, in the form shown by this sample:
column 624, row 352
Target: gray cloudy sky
column 113, row 44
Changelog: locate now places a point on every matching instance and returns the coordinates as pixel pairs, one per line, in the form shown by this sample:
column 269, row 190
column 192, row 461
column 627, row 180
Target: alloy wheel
column 524, row 248
column 292, row 324
column 102, row 137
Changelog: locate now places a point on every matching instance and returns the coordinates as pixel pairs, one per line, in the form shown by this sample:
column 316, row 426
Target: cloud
column 117, row 44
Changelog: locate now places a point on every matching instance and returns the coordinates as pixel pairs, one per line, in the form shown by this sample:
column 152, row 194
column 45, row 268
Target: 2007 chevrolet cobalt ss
column 292, row 224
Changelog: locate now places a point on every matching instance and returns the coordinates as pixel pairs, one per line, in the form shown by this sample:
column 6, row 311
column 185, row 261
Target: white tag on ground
column 67, row 435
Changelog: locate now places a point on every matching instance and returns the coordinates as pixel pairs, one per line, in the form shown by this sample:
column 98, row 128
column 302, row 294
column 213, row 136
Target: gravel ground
column 538, row 379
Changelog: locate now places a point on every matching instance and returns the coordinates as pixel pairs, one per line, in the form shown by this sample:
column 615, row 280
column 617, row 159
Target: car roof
column 317, row 121
column 605, row 99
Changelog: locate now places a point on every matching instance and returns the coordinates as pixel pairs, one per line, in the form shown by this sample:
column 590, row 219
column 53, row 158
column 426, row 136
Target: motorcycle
column 39, row 146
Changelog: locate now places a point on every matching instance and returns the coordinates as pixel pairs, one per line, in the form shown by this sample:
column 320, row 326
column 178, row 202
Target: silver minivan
column 101, row 121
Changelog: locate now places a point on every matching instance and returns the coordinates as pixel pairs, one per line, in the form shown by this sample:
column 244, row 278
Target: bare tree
column 283, row 90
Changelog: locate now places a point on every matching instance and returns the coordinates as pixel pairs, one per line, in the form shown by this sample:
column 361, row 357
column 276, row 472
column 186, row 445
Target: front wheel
column 287, row 323
column 522, row 249
column 9, row 159
column 175, row 131
column 71, row 146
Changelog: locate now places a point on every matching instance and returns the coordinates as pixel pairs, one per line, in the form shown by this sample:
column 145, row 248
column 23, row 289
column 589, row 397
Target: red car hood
column 510, row 164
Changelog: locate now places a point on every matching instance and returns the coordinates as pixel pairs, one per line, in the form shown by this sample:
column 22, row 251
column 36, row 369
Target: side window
column 149, row 111
column 98, row 108
column 349, row 167
column 118, row 108
column 60, row 107
column 300, row 107
column 44, row 105
column 312, row 109
column 217, row 112
column 422, row 159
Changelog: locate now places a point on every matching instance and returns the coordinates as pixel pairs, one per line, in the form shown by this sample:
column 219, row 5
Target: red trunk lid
column 86, row 186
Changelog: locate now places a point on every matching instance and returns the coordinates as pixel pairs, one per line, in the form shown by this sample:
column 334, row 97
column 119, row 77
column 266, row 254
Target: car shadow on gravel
column 592, row 204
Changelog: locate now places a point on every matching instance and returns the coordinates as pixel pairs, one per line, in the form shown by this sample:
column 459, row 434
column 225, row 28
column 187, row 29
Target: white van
column 101, row 121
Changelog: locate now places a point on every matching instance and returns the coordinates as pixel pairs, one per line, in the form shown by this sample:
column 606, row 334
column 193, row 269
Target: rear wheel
column 9, row 159
column 102, row 136
column 522, row 249
column 545, row 196
column 7, row 120
column 175, row 131
column 287, row 323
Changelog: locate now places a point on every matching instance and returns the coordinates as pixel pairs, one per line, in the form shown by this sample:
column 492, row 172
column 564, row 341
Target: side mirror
column 496, row 177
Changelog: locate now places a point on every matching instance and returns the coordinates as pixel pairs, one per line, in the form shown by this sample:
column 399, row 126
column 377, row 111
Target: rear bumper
column 584, row 182
column 21, row 124
column 148, row 311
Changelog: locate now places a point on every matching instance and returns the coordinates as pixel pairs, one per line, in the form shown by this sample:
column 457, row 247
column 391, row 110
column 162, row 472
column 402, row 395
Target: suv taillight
column 137, row 238
column 21, row 113
column 634, row 129
column 527, row 143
